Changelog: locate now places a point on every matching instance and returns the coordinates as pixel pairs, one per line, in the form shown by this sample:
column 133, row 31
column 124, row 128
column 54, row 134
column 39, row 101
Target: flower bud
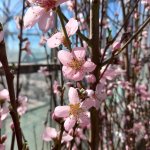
column 116, row 46
column 3, row 138
column 90, row 78
column 12, row 126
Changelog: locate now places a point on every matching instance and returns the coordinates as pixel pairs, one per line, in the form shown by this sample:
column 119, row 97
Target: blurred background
column 34, row 83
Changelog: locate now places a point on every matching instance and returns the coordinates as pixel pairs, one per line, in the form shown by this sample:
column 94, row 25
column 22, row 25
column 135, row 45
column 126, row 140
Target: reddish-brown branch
column 13, row 107
column 94, row 33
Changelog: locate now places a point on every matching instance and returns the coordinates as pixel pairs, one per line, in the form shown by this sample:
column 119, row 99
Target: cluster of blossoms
column 4, row 96
column 4, row 111
column 4, row 100
column 76, row 67
column 50, row 134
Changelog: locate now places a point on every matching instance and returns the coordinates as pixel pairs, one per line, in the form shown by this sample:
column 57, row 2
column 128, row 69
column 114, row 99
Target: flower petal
column 89, row 66
column 72, row 26
column 73, row 96
column 4, row 94
column 49, row 133
column 4, row 112
column 62, row 111
column 88, row 103
column 65, row 57
column 66, row 137
column 2, row 147
column 69, row 123
column 68, row 72
column 84, row 120
column 78, row 76
column 81, row 134
column 32, row 16
column 46, row 22
column 79, row 53
column 55, row 40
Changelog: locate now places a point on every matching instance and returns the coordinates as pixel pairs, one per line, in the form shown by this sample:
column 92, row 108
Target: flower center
column 47, row 4
column 75, row 109
column 76, row 64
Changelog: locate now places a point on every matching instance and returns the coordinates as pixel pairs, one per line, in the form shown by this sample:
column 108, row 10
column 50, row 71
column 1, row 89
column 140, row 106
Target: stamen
column 47, row 4
column 76, row 64
column 75, row 109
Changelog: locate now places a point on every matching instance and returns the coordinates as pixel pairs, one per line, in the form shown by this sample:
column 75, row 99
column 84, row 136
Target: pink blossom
column 2, row 147
column 78, row 136
column 134, row 61
column 70, row 4
column 109, row 93
column 79, row 133
column 41, row 14
column 37, row 14
column 125, row 85
column 66, row 137
column 50, row 134
column 90, row 78
column 116, row 46
column 48, row 4
column 1, row 36
column 74, row 64
column 76, row 111
column 4, row 95
column 143, row 92
column 27, row 48
column 59, row 37
column 112, row 72
column 3, row 114
column 138, row 128
column 46, row 22
column 136, row 15
column 100, row 92
column 56, row 87
column 33, row 16
column 141, row 87
column 22, row 107
column 145, row 33
column 90, row 93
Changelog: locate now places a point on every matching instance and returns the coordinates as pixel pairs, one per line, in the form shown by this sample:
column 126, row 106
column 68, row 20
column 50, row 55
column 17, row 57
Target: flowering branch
column 128, row 42
column 84, row 38
column 20, row 50
column 64, row 29
column 13, row 107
